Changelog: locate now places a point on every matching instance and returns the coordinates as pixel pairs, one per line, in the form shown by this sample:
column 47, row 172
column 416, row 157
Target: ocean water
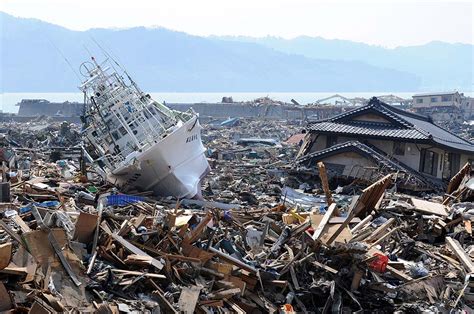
column 8, row 101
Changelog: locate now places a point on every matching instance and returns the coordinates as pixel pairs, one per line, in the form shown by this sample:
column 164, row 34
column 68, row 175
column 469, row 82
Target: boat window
column 108, row 139
column 122, row 130
column 115, row 135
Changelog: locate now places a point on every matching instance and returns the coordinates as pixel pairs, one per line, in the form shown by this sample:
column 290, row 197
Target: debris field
column 260, row 240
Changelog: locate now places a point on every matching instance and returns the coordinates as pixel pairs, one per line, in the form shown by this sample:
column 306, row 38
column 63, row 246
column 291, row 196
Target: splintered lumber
column 135, row 250
column 385, row 236
column 20, row 223
column 324, row 221
column 324, row 182
column 233, row 260
column 457, row 249
column 398, row 274
column 325, row 267
column 362, row 224
column 455, row 181
column 367, row 201
column 197, row 232
column 380, row 230
column 10, row 232
column 168, row 307
column 224, row 293
column 137, row 273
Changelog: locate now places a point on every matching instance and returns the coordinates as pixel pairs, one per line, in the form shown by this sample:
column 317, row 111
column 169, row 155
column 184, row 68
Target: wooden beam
column 319, row 230
column 363, row 223
column 132, row 248
column 457, row 249
column 380, row 230
column 324, row 182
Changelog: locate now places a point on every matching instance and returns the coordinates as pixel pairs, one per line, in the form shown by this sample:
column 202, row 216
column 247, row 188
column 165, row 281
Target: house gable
column 373, row 113
column 371, row 117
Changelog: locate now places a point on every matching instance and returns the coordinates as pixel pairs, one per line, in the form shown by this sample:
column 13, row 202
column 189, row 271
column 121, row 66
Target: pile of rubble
column 69, row 242
column 40, row 133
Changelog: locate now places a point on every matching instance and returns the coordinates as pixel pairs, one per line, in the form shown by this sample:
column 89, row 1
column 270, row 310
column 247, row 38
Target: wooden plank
column 135, row 250
column 429, row 207
column 10, row 232
column 188, row 299
column 344, row 236
column 457, row 249
column 197, row 232
column 340, row 220
column 319, row 230
column 455, row 181
column 325, row 267
column 366, row 202
column 20, row 223
column 380, row 231
column 224, row 294
column 398, row 274
column 233, row 260
column 137, row 273
column 362, row 224
column 385, row 236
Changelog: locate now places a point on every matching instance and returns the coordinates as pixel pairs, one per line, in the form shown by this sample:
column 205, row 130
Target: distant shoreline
column 9, row 100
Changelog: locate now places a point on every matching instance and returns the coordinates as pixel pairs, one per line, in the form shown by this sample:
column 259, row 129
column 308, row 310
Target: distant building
column 39, row 107
column 468, row 107
column 437, row 99
column 444, row 107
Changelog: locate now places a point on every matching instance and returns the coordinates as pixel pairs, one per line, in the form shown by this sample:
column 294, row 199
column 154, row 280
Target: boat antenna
column 64, row 57
column 119, row 65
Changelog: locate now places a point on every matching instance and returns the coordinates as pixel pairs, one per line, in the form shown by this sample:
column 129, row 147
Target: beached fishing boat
column 137, row 142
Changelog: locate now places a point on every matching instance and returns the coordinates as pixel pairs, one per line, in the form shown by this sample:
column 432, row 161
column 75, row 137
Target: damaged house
column 378, row 138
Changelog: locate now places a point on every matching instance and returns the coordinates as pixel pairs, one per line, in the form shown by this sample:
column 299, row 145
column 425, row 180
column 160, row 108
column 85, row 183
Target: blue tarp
column 123, row 199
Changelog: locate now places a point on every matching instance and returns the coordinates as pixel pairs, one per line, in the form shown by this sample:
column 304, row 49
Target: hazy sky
column 382, row 22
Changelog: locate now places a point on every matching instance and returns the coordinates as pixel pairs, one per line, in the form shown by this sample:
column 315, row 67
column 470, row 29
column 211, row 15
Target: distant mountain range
column 440, row 65
column 162, row 60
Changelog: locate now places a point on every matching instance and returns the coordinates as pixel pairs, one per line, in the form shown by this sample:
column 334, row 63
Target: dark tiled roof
column 369, row 129
column 403, row 125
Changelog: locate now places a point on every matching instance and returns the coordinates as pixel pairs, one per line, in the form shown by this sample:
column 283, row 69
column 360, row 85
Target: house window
column 446, row 98
column 434, row 99
column 331, row 141
column 429, row 162
column 419, row 100
column 398, row 148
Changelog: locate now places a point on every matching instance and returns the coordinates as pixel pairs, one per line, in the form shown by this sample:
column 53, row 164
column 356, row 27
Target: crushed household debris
column 265, row 239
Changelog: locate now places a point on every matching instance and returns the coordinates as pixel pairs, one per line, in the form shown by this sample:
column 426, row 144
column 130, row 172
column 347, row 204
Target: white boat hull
column 174, row 166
